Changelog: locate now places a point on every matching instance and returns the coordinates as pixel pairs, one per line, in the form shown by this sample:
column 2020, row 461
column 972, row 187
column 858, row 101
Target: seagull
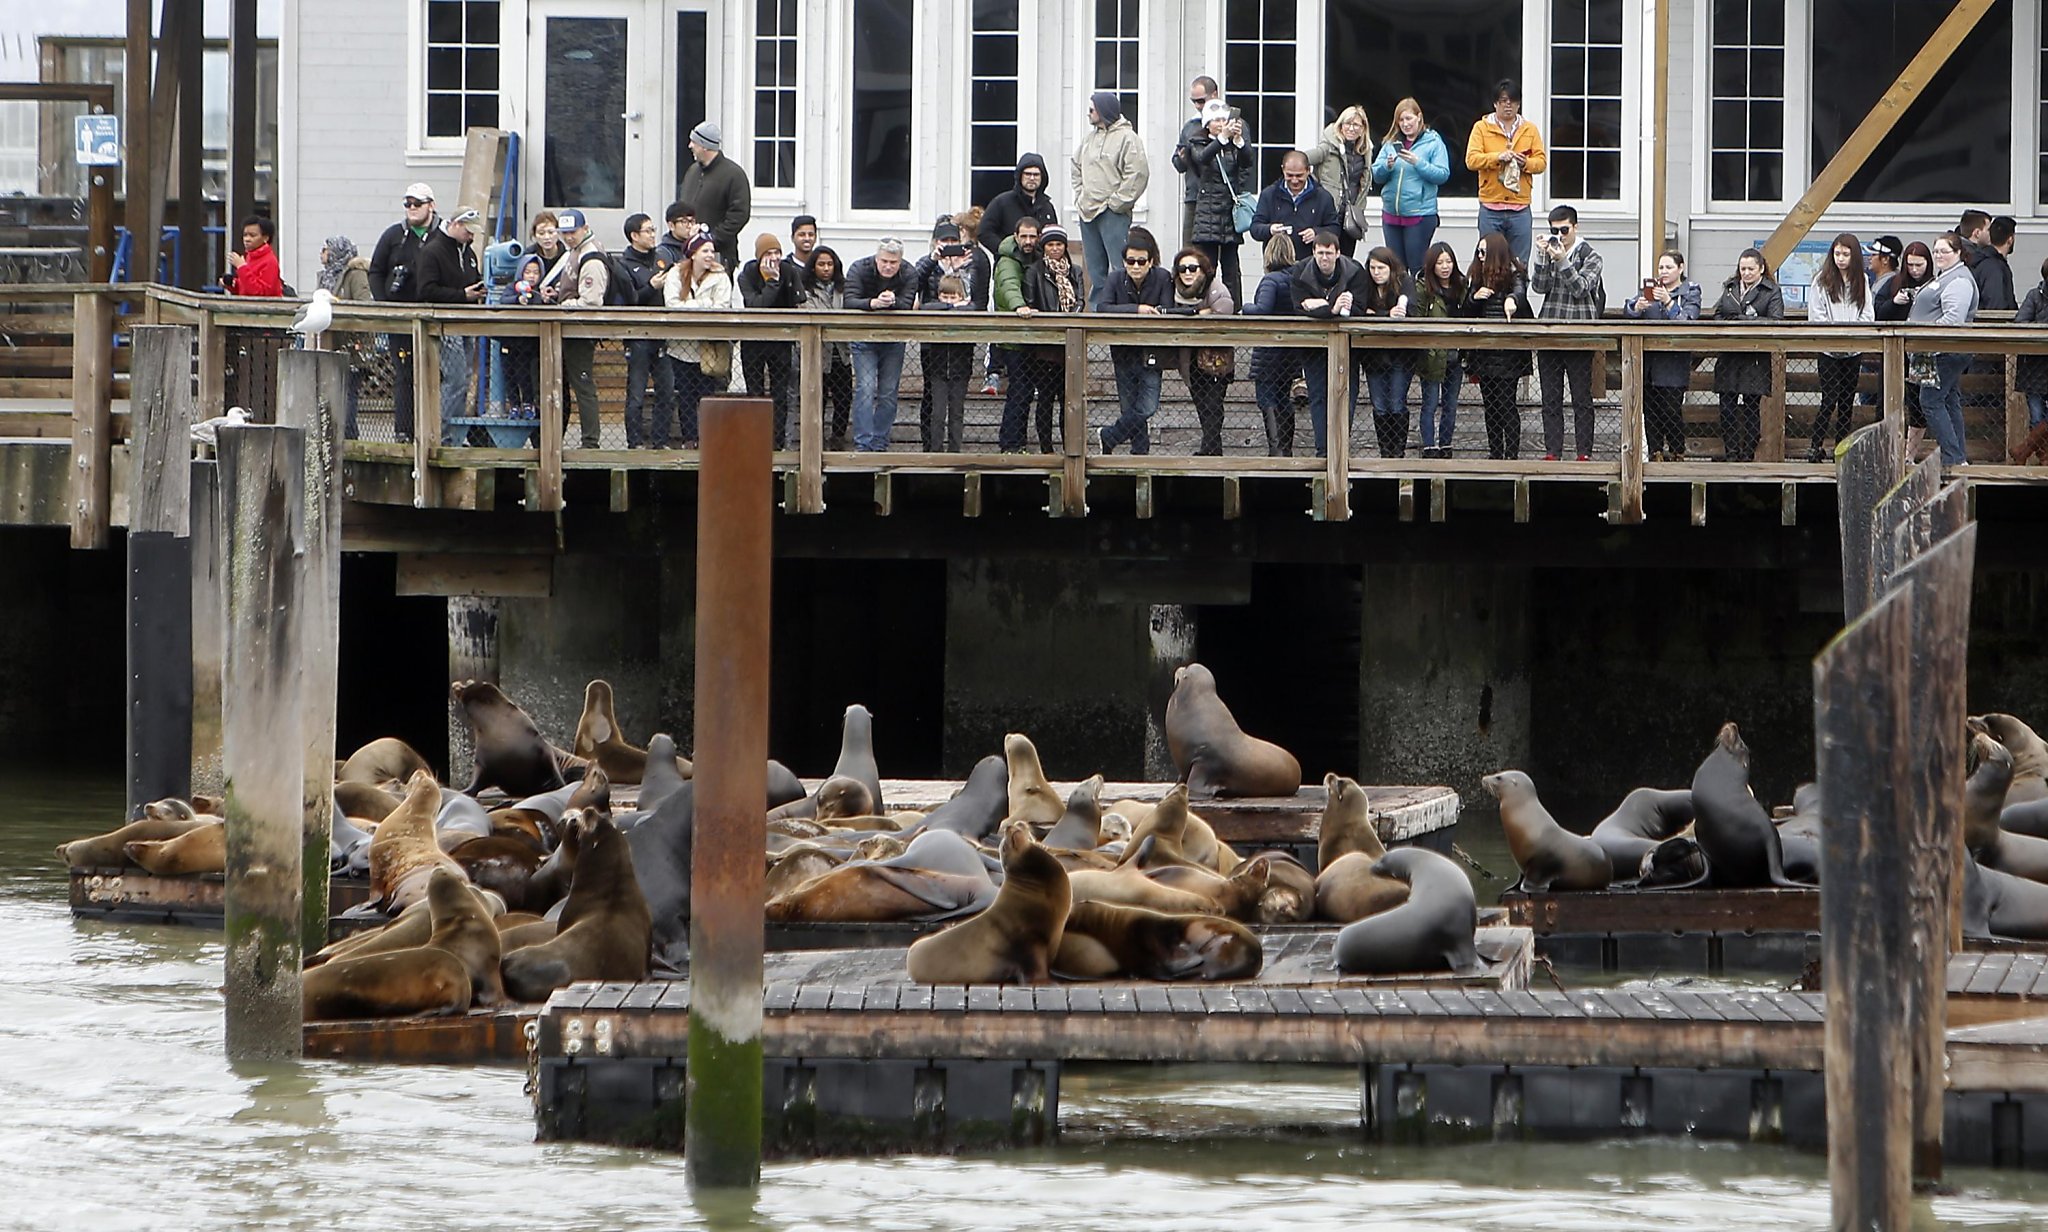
column 206, row 433
column 314, row 319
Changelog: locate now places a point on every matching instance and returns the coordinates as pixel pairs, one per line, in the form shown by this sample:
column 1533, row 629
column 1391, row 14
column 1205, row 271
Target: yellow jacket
column 1483, row 151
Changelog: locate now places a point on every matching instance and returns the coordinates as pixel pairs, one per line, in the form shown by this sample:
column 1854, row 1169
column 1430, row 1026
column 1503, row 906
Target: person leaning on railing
column 1385, row 296
column 1143, row 289
column 1276, row 369
column 1950, row 299
column 1742, row 378
column 1440, row 291
column 1894, row 302
column 824, row 290
column 1667, row 295
column 2030, row 375
column 1840, row 295
column 703, row 366
column 1327, row 287
column 1498, row 291
column 1198, row 291
column 884, row 282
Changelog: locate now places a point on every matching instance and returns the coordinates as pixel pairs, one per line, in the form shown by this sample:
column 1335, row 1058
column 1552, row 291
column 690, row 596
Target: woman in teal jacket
column 1411, row 165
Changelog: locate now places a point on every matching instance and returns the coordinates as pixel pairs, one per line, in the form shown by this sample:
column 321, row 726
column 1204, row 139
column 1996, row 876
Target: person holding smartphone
column 1568, row 276
column 1507, row 152
column 1667, row 295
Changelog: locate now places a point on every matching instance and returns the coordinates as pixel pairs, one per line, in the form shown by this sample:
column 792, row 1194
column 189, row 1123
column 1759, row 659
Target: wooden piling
column 735, row 509
column 1863, row 742
column 92, row 418
column 1866, row 467
column 312, row 395
column 262, row 470
column 472, row 655
column 209, row 626
column 160, row 566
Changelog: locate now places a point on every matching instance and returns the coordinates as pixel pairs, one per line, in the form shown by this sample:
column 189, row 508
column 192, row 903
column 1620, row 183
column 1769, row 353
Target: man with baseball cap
column 393, row 279
column 719, row 190
column 586, row 273
column 448, row 274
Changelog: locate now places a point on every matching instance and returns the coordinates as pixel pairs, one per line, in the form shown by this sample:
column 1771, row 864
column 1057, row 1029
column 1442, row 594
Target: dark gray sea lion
column 1013, row 941
column 1674, row 864
column 857, row 753
column 1551, row 857
column 1432, row 931
column 1999, row 904
column 1213, row 754
column 1646, row 817
column 511, row 754
column 663, row 774
column 1988, row 841
column 364, row 800
column 1080, row 825
column 1103, row 942
column 461, row 819
column 1741, row 844
column 979, row 807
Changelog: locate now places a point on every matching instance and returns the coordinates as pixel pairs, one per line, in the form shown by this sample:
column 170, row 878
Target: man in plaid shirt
column 1567, row 276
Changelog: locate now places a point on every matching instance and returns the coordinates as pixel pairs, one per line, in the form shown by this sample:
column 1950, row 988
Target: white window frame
column 1308, row 16
column 1027, row 71
column 922, row 121
column 1091, row 36
column 424, row 150
column 749, row 24
column 1705, row 104
column 1631, row 39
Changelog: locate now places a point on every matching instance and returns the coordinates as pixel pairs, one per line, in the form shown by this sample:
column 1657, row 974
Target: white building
column 876, row 115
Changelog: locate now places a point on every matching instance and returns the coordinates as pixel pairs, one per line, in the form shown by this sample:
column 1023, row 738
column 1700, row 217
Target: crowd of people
column 1013, row 255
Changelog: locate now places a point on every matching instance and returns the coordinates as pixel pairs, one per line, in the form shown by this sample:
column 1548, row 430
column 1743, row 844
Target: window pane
column 1567, row 70
column 1731, row 21
column 994, row 100
column 444, row 21
column 444, row 68
column 992, row 145
column 1766, row 177
column 1730, row 129
column 1603, row 124
column 993, row 14
column 1731, row 72
column 1568, row 20
column 1448, row 54
column 1568, row 123
column 1767, row 125
column 483, row 21
column 785, row 110
column 1730, row 177
column 1127, row 67
column 482, row 111
column 1278, row 77
column 691, row 53
column 787, row 61
column 481, row 70
column 1567, row 174
column 1241, row 20
column 1240, row 68
column 1767, row 73
column 1603, row 176
column 1767, row 22
column 883, row 43
column 1603, row 21
column 1953, row 143
column 584, row 153
column 1279, row 23
column 995, row 55
column 1603, row 71
column 444, row 115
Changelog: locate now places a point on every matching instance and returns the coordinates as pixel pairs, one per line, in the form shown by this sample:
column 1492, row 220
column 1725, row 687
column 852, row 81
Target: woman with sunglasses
column 1497, row 290
column 1145, row 289
column 1198, row 292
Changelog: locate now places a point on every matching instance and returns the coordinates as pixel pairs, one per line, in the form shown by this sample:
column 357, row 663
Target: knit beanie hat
column 1107, row 105
column 763, row 243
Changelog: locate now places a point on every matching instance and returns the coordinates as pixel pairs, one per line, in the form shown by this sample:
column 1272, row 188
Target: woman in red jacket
column 253, row 271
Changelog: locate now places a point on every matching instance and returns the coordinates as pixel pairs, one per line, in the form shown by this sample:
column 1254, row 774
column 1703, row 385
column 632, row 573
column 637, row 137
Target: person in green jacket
column 1032, row 370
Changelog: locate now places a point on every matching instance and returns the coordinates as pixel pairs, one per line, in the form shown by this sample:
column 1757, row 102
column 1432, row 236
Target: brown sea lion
column 857, row 753
column 422, row 981
column 796, row 865
column 1168, row 823
column 511, row 754
column 1290, row 895
column 1432, row 931
column 1032, row 799
column 837, row 797
column 384, row 760
column 502, row 864
column 110, row 850
column 464, row 927
column 1349, row 888
column 202, row 849
column 1213, row 754
column 1080, row 825
column 520, row 936
column 880, row 847
column 1129, row 885
column 1347, row 823
column 2029, row 757
column 1551, row 857
column 600, row 742
column 605, row 931
column 404, row 850
column 412, row 927
column 1102, row 942
column 2021, row 855
column 364, row 801
column 939, row 876
column 1014, row 940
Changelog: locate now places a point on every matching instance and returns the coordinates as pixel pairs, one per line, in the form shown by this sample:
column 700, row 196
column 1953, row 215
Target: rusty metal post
column 735, row 502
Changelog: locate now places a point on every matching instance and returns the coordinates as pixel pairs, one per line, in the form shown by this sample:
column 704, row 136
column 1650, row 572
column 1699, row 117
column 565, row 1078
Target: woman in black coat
column 1742, row 378
column 1223, row 170
column 1497, row 290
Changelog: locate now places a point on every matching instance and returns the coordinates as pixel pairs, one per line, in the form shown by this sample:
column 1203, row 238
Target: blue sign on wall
column 99, row 141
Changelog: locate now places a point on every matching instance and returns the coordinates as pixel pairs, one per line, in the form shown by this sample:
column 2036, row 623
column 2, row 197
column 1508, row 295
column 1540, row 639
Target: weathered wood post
column 735, row 504
column 312, row 395
column 262, row 471
column 1866, row 467
column 472, row 655
column 1863, row 743
column 160, row 566
column 209, row 625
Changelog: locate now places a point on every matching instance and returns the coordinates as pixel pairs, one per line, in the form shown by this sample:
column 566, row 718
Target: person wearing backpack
column 644, row 357
column 583, row 280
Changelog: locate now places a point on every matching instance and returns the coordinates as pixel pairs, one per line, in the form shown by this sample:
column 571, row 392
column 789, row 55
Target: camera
column 953, row 250
column 397, row 284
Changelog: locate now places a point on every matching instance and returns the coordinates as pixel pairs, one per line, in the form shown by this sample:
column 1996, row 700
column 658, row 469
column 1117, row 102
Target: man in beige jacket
column 1110, row 174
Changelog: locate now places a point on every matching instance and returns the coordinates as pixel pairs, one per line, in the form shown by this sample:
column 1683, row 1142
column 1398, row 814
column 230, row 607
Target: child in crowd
column 522, row 355
column 947, row 366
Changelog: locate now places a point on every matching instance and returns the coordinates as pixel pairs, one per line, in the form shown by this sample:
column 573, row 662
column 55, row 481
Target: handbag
column 1247, row 204
column 1355, row 218
column 1215, row 361
column 714, row 359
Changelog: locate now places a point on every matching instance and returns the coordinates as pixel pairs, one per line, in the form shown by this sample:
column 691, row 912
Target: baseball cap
column 1885, row 246
column 570, row 220
column 465, row 217
column 420, row 191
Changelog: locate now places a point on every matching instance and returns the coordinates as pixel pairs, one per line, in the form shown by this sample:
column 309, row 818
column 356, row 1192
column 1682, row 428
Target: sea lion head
column 2009, row 731
column 1729, row 740
column 170, row 808
column 1990, row 752
column 1675, row 861
column 858, row 719
column 594, row 792
column 844, row 797
column 880, row 847
column 1244, row 888
column 1086, row 797
column 1226, row 949
column 1023, row 859
column 1194, row 677
column 1503, row 783
column 1116, row 828
column 1976, row 723
column 1398, row 864
column 1282, row 904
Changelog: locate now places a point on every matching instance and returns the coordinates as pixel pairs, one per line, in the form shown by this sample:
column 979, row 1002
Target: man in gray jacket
column 1568, row 278
column 1109, row 175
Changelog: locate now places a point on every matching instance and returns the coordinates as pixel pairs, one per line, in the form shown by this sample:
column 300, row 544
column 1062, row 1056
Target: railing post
column 263, row 469
column 1893, row 376
column 810, row 419
column 1074, row 429
column 92, row 419
column 312, row 396
column 2016, row 426
column 1337, row 431
column 1772, row 446
column 426, row 420
column 549, row 498
column 159, row 566
column 1632, row 372
column 213, row 366
column 722, row 1113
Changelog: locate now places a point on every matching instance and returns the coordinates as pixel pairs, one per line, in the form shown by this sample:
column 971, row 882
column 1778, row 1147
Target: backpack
column 620, row 290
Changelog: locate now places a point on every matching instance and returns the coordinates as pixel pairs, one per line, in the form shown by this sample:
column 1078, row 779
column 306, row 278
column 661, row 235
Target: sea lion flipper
column 940, row 895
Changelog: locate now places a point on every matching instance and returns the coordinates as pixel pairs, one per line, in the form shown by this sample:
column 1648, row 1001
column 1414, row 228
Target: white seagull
column 206, row 433
column 315, row 319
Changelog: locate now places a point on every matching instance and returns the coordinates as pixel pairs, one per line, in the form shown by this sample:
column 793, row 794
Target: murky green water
column 117, row 1111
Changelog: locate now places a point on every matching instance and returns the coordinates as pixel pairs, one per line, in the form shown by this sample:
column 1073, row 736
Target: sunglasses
column 1137, row 260
column 1190, row 269
column 415, row 202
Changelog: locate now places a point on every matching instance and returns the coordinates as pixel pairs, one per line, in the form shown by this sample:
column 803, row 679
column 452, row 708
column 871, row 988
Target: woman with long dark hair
column 1197, row 292
column 1387, row 371
column 1840, row 295
column 824, row 290
column 1916, row 270
column 1439, row 292
column 1742, row 378
column 1498, row 290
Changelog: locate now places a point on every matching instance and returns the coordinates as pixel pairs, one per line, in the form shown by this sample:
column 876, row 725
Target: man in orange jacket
column 1507, row 152
column 253, row 271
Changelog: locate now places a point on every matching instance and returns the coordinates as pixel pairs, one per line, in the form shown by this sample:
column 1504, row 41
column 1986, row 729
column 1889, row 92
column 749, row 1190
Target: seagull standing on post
column 314, row 319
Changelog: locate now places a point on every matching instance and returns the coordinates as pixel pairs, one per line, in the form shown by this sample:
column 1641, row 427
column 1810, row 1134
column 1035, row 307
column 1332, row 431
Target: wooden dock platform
column 132, row 896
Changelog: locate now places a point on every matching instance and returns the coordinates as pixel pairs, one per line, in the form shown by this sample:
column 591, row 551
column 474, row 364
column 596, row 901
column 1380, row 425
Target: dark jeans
column 399, row 346
column 1440, row 405
column 949, row 411
column 1411, row 243
column 940, row 361
column 839, row 396
column 1274, row 370
column 1039, row 370
column 1664, row 419
column 1553, row 369
column 579, row 361
column 645, row 360
column 1315, row 375
column 1503, row 417
column 1207, row 393
column 1741, row 426
column 766, row 367
column 1944, row 410
column 692, row 387
column 1837, row 401
column 1388, row 386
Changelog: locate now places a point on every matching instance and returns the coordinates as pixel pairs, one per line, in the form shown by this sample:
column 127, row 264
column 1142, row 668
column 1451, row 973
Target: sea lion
column 2029, row 760
column 110, row 850
column 857, row 753
column 459, row 820
column 1997, row 904
column 1644, row 818
column 1741, row 844
column 520, row 936
column 1432, row 931
column 375, row 983
column 1102, row 942
column 795, row 866
column 1675, row 864
column 502, row 865
column 202, row 849
column 1014, row 940
column 511, row 754
column 1129, row 885
column 1213, row 754
column 600, row 742
column 880, row 847
column 1351, row 887
column 939, row 876
column 403, row 851
column 384, row 760
column 605, row 931
column 838, row 797
column 345, row 840
column 666, row 771
column 464, row 925
column 1290, row 895
column 1080, row 825
column 1031, row 798
column 1346, row 824
column 978, row 808
column 1551, row 857
column 366, row 801
column 2021, row 855
column 1184, row 836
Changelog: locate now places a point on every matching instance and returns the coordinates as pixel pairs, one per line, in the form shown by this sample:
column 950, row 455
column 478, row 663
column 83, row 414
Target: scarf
column 340, row 251
column 1058, row 271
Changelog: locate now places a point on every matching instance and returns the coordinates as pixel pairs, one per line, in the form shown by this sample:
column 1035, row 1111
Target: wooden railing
column 1997, row 422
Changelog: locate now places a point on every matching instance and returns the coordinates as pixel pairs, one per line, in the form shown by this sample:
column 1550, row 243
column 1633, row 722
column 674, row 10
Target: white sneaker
column 1095, row 441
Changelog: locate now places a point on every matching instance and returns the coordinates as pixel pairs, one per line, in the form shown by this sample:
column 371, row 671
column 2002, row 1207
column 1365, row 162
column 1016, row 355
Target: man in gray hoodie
column 1109, row 175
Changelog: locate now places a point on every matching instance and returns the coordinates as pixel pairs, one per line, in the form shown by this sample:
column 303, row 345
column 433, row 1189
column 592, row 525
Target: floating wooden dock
column 132, row 896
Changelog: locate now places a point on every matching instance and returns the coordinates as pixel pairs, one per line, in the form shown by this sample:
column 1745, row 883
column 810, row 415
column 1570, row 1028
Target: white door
column 690, row 90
